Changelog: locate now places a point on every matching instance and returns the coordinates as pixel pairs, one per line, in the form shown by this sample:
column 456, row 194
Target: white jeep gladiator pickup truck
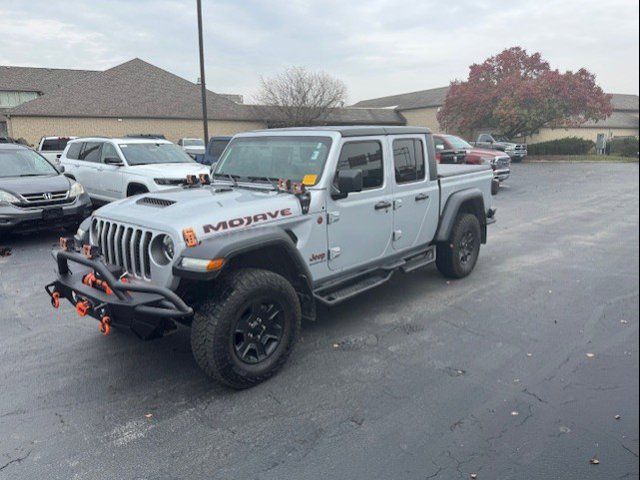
column 115, row 168
column 290, row 218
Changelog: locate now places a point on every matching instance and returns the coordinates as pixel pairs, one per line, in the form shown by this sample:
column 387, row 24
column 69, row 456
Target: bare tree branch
column 298, row 97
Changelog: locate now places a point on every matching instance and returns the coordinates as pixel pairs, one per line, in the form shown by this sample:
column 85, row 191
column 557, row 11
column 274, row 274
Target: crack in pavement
column 15, row 460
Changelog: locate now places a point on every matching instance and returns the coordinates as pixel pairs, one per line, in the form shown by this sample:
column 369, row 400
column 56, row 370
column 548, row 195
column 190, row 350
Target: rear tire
column 253, row 307
column 457, row 257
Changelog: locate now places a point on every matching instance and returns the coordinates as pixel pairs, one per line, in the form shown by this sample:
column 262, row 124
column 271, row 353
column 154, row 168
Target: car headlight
column 488, row 160
column 168, row 247
column 76, row 190
column 6, row 197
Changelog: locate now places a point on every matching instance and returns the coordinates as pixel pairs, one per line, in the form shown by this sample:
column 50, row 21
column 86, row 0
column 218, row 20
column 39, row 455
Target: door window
column 408, row 160
column 74, row 151
column 90, row 152
column 365, row 156
column 109, row 151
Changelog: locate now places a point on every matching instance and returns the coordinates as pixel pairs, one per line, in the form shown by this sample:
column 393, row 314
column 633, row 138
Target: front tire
column 457, row 257
column 245, row 334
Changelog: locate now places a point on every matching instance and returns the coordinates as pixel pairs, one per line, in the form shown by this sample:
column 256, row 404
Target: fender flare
column 138, row 184
column 238, row 243
column 452, row 207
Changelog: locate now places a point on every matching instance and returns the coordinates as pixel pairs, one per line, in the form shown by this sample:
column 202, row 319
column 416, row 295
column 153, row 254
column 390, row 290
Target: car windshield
column 193, row 142
column 500, row 138
column 276, row 157
column 24, row 163
column 152, row 152
column 457, row 142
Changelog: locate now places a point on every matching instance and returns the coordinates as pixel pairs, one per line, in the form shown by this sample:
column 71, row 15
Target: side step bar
column 334, row 295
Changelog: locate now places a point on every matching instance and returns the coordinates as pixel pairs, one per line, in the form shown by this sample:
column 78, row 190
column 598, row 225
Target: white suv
column 114, row 168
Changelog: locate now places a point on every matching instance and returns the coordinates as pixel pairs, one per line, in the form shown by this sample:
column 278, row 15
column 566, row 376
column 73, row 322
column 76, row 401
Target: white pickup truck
column 115, row 168
column 51, row 148
column 292, row 218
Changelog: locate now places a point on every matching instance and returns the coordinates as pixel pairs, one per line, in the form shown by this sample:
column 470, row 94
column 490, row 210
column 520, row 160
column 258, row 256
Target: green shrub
column 623, row 146
column 562, row 146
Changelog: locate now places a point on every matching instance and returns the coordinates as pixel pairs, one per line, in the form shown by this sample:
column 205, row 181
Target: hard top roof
column 357, row 130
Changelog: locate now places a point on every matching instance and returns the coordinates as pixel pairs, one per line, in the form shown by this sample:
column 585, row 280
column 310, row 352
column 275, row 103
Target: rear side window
column 74, row 151
column 54, row 144
column 408, row 160
column 365, row 156
column 90, row 152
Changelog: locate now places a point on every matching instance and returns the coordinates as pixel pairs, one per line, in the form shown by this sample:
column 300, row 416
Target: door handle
column 422, row 196
column 382, row 205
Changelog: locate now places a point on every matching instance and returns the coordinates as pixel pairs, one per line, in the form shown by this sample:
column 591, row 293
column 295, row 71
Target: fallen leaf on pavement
column 594, row 461
column 617, row 417
column 591, row 355
column 515, row 414
column 149, row 415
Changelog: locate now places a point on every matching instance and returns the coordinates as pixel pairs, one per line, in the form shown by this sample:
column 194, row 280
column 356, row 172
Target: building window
column 13, row 99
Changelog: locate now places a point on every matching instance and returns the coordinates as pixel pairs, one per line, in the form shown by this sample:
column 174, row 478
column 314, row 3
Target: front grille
column 503, row 162
column 124, row 246
column 45, row 199
column 155, row 202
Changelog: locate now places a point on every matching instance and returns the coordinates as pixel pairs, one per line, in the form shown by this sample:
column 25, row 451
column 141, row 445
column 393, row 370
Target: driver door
column 111, row 177
column 360, row 226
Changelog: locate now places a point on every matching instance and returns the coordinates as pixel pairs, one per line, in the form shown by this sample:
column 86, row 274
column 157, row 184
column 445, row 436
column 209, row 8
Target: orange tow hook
column 82, row 308
column 55, row 300
column 105, row 325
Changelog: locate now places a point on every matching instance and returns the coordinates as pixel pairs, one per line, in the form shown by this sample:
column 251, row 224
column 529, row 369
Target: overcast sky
column 377, row 47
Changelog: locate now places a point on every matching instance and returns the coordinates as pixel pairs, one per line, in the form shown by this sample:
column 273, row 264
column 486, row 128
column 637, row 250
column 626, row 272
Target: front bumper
column 29, row 219
column 516, row 153
column 101, row 292
column 501, row 174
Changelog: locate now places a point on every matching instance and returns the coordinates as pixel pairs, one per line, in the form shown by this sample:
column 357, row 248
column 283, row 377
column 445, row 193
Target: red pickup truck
column 452, row 149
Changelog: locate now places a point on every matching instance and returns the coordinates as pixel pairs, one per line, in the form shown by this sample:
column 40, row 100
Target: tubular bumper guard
column 142, row 307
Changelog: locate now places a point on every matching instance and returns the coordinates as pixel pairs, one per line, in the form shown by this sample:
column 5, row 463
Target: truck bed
column 451, row 170
column 454, row 178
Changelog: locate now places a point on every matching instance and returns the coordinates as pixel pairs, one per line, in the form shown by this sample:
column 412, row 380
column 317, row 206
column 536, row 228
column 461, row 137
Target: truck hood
column 168, row 170
column 208, row 210
column 39, row 184
column 485, row 152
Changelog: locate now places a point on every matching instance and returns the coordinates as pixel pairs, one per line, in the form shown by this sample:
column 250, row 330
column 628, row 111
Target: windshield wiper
column 271, row 180
column 32, row 175
column 228, row 176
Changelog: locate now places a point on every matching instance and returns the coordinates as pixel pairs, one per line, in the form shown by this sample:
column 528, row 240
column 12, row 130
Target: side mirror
column 113, row 161
column 347, row 181
column 60, row 168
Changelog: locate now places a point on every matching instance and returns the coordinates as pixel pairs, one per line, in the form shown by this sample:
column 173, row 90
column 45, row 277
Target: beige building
column 133, row 98
column 420, row 109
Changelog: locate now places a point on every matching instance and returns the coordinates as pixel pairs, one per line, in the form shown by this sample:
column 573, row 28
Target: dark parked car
column 35, row 195
column 215, row 147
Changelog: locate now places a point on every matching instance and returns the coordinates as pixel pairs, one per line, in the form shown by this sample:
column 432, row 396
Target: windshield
column 193, row 142
column 275, row 157
column 500, row 138
column 151, row 153
column 457, row 142
column 24, row 163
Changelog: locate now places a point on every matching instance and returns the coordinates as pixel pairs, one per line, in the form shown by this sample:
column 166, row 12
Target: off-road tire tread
column 208, row 332
column 446, row 261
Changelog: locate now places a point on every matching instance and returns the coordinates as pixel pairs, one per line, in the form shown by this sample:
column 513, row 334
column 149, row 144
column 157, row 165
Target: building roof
column 41, row 80
column 433, row 97
column 618, row 119
column 622, row 101
column 134, row 89
column 137, row 89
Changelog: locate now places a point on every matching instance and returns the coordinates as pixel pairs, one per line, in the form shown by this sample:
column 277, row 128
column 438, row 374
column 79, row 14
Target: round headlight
column 168, row 247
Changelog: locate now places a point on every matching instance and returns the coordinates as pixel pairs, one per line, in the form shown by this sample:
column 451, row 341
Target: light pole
column 203, row 84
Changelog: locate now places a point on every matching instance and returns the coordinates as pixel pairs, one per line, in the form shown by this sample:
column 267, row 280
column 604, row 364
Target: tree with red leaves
column 517, row 94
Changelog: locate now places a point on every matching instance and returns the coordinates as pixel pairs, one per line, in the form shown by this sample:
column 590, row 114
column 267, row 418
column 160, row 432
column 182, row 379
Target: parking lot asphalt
column 516, row 372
